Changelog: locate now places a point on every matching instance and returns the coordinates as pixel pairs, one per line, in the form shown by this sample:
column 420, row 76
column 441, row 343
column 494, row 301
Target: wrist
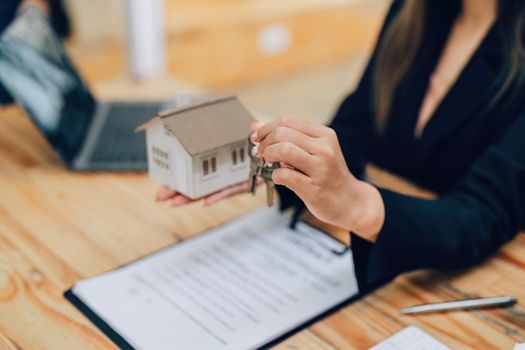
column 366, row 214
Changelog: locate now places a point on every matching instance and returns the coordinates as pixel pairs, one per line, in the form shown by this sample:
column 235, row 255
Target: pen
column 465, row 304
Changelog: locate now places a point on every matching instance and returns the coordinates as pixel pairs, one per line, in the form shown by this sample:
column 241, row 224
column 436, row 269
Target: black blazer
column 474, row 160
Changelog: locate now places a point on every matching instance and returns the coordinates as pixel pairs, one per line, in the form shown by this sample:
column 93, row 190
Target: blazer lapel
column 473, row 89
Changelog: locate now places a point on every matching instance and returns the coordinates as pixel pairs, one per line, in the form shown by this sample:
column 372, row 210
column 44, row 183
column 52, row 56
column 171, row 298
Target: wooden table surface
column 57, row 227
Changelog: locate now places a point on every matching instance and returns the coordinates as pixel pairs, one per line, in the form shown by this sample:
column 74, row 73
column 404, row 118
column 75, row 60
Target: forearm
column 454, row 231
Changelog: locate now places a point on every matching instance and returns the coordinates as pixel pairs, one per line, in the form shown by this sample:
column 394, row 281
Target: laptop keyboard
column 117, row 142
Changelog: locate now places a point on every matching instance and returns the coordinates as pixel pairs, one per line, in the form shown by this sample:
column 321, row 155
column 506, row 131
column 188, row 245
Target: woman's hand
column 166, row 194
column 316, row 170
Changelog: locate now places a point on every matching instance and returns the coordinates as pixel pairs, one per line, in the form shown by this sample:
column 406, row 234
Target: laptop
column 88, row 135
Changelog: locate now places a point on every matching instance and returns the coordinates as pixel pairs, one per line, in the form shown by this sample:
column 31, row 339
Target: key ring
column 268, row 168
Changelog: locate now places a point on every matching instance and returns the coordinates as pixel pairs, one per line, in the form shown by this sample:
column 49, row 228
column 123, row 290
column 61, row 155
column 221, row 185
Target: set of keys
column 258, row 167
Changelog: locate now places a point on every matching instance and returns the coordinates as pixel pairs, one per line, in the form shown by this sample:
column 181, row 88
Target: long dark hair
column 404, row 38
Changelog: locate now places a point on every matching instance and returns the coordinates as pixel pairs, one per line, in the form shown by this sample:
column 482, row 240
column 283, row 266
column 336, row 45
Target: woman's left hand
column 316, row 170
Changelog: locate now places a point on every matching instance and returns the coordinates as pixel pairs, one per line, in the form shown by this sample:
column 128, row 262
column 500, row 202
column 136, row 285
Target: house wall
column 227, row 174
column 162, row 147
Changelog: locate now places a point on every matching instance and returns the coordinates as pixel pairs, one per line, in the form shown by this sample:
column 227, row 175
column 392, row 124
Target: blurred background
column 284, row 58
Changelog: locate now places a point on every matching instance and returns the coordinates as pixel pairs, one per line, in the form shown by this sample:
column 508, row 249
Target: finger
column 230, row 191
column 180, row 200
column 292, row 155
column 292, row 179
column 285, row 134
column 165, row 193
column 306, row 127
column 255, row 125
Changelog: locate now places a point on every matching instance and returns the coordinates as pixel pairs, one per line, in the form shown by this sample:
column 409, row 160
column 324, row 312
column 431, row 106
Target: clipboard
column 267, row 215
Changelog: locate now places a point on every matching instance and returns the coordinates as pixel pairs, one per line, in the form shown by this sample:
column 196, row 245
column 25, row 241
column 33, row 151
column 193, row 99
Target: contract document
column 240, row 286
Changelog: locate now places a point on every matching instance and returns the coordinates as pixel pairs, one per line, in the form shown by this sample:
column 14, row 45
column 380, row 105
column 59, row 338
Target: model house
column 201, row 148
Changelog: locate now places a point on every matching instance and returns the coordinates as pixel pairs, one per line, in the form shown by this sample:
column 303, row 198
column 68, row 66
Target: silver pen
column 460, row 305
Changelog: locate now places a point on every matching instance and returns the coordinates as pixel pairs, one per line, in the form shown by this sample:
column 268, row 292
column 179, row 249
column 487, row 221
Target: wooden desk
column 57, row 227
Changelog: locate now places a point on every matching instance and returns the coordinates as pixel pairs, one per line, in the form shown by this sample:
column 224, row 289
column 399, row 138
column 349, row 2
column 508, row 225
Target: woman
column 442, row 104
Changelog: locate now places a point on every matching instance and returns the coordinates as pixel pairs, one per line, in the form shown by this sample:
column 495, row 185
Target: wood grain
column 320, row 32
column 216, row 43
column 57, row 227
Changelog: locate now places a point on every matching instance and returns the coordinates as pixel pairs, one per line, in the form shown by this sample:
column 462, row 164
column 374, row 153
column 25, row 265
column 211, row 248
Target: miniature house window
column 161, row 158
column 209, row 166
column 242, row 156
column 205, row 167
column 238, row 156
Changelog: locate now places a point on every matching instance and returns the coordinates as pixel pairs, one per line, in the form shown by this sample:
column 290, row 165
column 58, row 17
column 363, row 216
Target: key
column 258, row 167
column 269, row 192
column 266, row 174
column 255, row 171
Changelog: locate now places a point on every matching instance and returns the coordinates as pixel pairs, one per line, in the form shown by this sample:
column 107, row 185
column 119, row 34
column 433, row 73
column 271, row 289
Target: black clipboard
column 116, row 338
column 123, row 344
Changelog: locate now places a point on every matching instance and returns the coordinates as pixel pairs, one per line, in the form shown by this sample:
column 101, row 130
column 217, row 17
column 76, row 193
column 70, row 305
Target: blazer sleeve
column 456, row 230
column 354, row 120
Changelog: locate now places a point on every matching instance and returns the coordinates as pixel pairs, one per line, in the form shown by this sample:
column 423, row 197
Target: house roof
column 208, row 124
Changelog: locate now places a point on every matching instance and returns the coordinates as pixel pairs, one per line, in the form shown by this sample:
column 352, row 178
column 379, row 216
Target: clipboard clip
column 338, row 252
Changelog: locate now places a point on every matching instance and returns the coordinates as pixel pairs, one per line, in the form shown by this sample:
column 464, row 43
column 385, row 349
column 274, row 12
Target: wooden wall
column 223, row 44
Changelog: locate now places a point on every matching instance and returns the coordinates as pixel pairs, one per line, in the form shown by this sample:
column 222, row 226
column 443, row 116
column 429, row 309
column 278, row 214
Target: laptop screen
column 37, row 73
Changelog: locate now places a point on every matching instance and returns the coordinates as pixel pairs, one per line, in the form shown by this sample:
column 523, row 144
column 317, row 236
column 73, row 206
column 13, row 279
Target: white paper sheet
column 237, row 287
column 410, row 338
